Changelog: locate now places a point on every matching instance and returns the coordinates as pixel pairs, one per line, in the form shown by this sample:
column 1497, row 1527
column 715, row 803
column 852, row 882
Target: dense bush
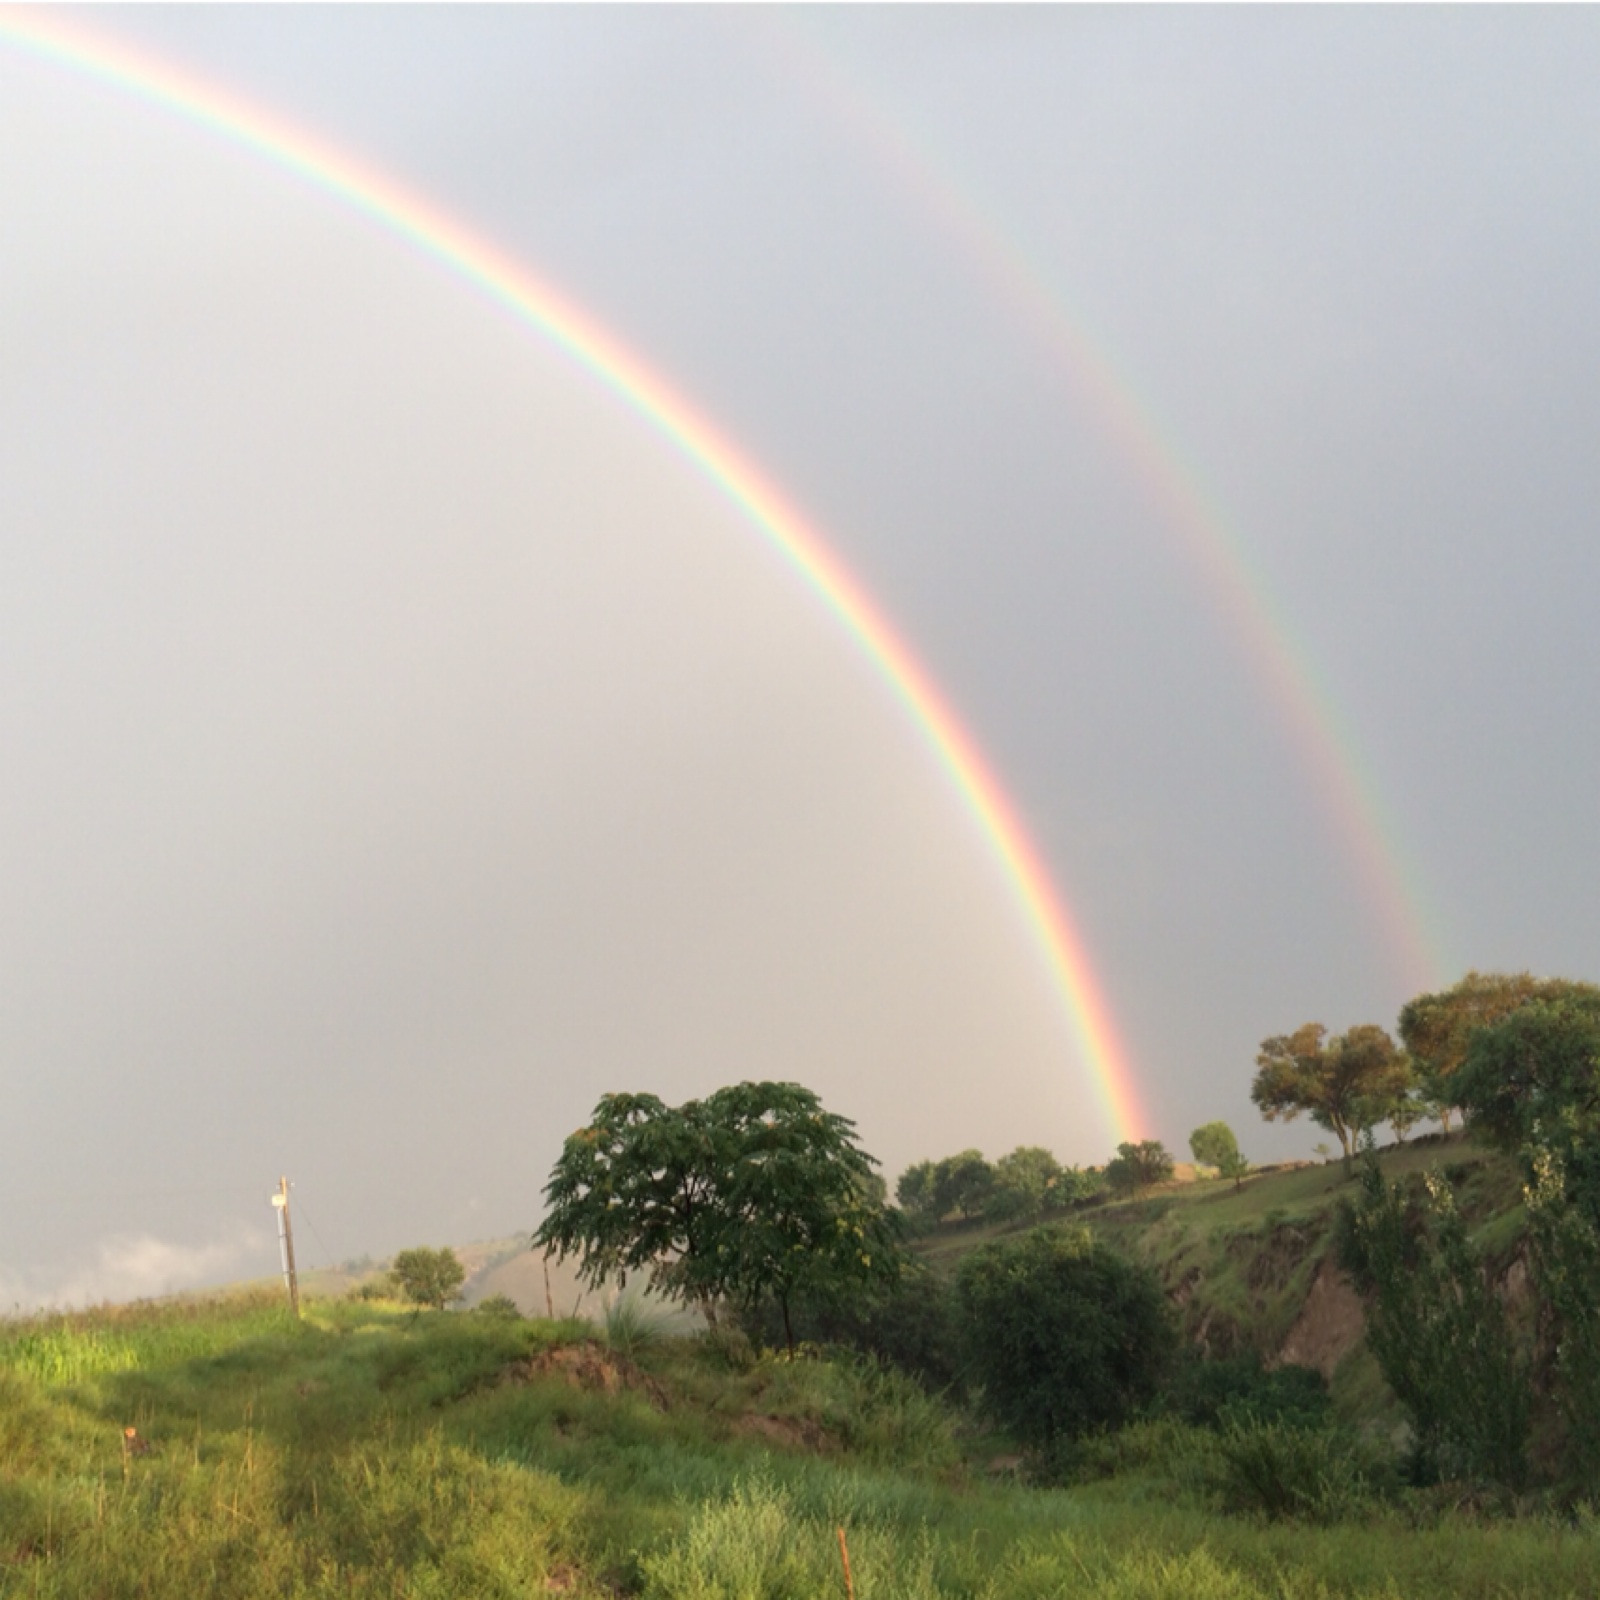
column 1312, row 1475
column 1238, row 1390
column 910, row 1324
column 1066, row 1336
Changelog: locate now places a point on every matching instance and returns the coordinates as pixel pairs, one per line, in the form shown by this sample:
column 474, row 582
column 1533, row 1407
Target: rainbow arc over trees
column 49, row 35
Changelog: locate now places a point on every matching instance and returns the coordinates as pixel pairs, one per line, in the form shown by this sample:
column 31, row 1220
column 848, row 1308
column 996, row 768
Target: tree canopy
column 1215, row 1145
column 1437, row 1029
column 1531, row 1082
column 1138, row 1166
column 428, row 1277
column 753, row 1192
column 1066, row 1335
column 1027, row 1182
column 1345, row 1083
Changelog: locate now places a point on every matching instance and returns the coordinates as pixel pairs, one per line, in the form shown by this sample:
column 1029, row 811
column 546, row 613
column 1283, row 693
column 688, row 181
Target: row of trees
column 1352, row 1082
column 1031, row 1183
column 1028, row 1182
column 1520, row 1057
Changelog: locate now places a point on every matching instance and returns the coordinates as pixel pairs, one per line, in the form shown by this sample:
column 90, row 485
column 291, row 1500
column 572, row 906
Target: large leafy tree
column 1345, row 1084
column 1532, row 1079
column 755, row 1192
column 1437, row 1029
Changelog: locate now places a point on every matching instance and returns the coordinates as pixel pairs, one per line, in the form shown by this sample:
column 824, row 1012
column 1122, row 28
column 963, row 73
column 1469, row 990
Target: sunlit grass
column 371, row 1450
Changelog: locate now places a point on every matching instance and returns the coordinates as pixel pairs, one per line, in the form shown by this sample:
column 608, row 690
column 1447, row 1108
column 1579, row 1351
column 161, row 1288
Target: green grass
column 371, row 1450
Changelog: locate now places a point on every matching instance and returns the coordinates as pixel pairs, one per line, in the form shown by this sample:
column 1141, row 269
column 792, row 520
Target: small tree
column 428, row 1277
column 962, row 1183
column 1065, row 1335
column 1214, row 1145
column 914, row 1191
column 1024, row 1183
column 1135, row 1167
column 1438, row 1329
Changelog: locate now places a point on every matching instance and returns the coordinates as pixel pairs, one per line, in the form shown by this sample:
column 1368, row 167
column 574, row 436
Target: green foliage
column 1565, row 1257
column 1346, row 1084
column 1278, row 1471
column 366, row 1451
column 962, row 1183
column 1438, row 1029
column 1065, row 1335
column 500, row 1306
column 1531, row 1081
column 914, row 1192
column 1238, row 1390
column 1029, row 1182
column 632, row 1327
column 1215, row 1145
column 754, row 1193
column 428, row 1277
column 910, row 1323
column 1439, row 1331
column 1136, row 1167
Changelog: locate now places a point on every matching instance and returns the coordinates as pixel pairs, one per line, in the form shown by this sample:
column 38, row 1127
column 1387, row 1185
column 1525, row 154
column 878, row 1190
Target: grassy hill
column 1252, row 1267
column 369, row 1450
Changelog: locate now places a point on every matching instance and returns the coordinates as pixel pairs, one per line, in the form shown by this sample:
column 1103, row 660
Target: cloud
column 136, row 1267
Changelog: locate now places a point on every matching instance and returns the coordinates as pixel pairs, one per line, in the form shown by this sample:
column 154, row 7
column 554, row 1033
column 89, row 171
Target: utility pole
column 280, row 1204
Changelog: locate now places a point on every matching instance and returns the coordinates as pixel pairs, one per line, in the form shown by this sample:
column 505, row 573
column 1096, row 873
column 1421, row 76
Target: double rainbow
column 401, row 212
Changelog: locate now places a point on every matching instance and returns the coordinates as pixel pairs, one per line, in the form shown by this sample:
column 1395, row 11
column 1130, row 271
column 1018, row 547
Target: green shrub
column 499, row 1306
column 912, row 1324
column 1237, row 1389
column 1066, row 1336
column 1314, row 1475
column 632, row 1327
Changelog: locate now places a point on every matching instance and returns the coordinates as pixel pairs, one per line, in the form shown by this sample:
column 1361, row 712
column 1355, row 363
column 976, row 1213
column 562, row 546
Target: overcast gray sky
column 405, row 744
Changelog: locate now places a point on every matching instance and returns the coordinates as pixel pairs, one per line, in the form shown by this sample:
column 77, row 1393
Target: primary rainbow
column 407, row 214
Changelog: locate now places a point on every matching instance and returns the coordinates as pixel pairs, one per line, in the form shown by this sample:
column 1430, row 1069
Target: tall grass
column 370, row 1452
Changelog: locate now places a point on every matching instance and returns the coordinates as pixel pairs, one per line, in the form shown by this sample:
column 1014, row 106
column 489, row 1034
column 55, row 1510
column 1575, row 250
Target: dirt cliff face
column 1331, row 1323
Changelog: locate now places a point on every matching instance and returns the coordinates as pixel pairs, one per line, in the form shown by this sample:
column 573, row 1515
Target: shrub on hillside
column 1278, row 1472
column 1237, row 1390
column 1066, row 1336
column 910, row 1324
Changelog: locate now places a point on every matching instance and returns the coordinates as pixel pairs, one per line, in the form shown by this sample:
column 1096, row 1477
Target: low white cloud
column 137, row 1267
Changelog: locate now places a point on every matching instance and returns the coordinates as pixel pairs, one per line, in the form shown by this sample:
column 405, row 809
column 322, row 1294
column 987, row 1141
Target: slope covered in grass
column 370, row 1450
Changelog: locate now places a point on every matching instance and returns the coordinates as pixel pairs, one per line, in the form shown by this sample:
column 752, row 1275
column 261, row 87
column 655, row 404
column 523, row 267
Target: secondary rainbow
column 534, row 302
column 1339, row 779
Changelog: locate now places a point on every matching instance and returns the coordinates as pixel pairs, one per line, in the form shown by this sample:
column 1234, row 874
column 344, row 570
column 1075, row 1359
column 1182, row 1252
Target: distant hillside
column 1254, row 1268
